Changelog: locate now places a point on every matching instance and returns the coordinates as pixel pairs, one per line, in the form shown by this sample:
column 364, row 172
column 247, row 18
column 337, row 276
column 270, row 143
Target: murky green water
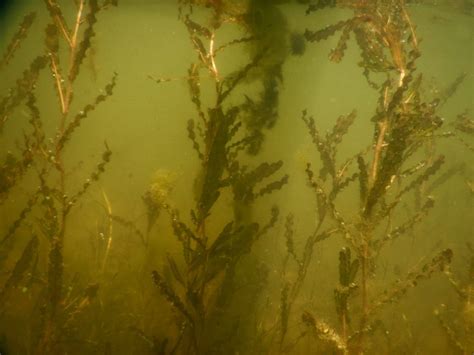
column 160, row 192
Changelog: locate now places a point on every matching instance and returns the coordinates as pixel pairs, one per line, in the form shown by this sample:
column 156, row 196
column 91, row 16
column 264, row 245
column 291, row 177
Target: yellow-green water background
column 145, row 126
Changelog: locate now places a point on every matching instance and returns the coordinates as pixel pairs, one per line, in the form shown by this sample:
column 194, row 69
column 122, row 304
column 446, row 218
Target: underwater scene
column 236, row 177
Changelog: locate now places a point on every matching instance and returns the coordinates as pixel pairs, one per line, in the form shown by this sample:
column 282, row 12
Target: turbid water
column 236, row 177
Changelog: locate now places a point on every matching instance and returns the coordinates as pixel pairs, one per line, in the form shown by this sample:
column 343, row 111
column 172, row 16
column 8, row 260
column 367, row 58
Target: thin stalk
column 61, row 25
column 364, row 258
column 59, row 85
column 344, row 328
column 109, row 232
column 73, row 52
column 378, row 150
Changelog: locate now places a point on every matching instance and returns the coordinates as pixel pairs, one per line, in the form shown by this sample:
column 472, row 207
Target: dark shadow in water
column 3, row 340
column 5, row 7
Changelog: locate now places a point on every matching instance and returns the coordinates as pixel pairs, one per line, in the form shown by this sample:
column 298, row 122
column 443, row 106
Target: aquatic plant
column 53, row 201
column 197, row 268
column 14, row 166
column 403, row 123
column 202, row 289
column 458, row 324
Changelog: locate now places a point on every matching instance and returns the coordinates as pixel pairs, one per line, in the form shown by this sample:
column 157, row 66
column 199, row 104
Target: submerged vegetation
column 225, row 265
column 47, row 209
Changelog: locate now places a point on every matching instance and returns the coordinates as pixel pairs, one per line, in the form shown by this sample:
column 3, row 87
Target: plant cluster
column 209, row 296
column 40, row 265
column 404, row 122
